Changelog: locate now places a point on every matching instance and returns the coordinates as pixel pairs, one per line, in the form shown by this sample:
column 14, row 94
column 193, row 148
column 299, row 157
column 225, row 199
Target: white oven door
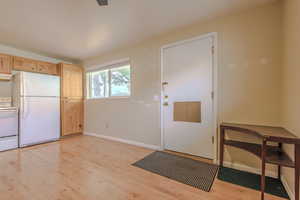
column 8, row 122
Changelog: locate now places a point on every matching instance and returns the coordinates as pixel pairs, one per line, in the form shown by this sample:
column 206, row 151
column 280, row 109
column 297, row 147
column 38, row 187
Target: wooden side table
column 267, row 153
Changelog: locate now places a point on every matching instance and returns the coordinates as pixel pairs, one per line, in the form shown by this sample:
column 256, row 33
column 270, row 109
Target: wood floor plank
column 89, row 168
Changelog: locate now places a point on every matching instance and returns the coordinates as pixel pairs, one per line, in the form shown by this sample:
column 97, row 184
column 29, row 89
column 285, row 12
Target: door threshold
column 197, row 158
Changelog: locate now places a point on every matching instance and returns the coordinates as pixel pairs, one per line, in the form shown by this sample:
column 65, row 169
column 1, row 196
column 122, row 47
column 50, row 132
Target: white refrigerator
column 38, row 98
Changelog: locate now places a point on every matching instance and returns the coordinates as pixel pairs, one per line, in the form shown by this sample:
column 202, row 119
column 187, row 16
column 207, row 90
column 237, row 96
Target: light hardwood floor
column 89, row 168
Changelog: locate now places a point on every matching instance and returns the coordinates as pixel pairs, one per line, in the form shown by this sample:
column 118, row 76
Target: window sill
column 108, row 98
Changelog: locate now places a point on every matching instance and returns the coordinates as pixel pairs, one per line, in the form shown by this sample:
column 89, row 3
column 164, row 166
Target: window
column 120, row 81
column 98, row 84
column 113, row 81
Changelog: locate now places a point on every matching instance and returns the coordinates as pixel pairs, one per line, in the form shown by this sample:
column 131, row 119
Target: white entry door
column 188, row 77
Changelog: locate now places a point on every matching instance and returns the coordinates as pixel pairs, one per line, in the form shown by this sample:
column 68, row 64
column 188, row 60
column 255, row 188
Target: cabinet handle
column 2, row 64
column 66, row 99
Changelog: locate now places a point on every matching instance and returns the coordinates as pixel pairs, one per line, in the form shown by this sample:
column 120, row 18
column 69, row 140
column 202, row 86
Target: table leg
column 279, row 167
column 222, row 138
column 297, row 168
column 263, row 168
column 279, row 172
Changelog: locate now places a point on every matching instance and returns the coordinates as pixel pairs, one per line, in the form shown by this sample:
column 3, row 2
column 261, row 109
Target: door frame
column 214, row 36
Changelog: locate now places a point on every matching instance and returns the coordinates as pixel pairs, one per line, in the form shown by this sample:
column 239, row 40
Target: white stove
column 5, row 102
column 9, row 125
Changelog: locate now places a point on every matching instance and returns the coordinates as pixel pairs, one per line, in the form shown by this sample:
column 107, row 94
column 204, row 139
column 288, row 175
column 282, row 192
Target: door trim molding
column 214, row 36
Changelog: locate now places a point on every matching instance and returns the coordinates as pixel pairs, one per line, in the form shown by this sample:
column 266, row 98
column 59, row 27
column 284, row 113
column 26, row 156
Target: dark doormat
column 273, row 186
column 185, row 170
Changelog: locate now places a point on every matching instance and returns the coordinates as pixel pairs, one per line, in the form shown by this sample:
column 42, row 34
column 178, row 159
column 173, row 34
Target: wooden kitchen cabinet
column 71, row 99
column 29, row 65
column 72, row 81
column 5, row 64
column 72, row 116
column 47, row 68
column 24, row 64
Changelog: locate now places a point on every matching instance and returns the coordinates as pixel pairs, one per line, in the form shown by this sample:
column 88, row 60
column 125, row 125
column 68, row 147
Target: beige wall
column 250, row 58
column 291, row 74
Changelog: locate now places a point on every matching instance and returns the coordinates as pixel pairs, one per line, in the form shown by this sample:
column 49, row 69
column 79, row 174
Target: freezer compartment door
column 40, row 85
column 39, row 120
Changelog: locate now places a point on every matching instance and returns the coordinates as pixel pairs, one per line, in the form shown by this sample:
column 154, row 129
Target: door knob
column 164, row 84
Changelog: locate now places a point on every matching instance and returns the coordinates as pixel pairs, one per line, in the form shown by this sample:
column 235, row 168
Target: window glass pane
column 99, row 84
column 120, row 81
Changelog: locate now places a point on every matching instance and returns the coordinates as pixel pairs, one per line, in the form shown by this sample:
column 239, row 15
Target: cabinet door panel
column 72, row 81
column 47, row 68
column 72, row 116
column 72, row 99
column 24, row 64
column 5, row 64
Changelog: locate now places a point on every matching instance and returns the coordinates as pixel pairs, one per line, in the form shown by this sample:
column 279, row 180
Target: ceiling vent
column 102, row 2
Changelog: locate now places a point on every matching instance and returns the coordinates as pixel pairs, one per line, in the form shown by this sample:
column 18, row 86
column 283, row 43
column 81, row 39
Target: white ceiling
column 77, row 29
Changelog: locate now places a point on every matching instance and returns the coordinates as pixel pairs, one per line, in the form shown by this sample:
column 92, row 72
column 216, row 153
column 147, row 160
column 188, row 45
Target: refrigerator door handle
column 26, row 108
column 22, row 106
column 26, row 114
column 22, row 84
column 22, row 93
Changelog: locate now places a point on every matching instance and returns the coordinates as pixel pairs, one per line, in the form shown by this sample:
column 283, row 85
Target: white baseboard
column 139, row 144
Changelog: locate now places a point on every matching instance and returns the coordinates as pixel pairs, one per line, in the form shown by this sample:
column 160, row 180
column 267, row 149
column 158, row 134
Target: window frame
column 108, row 67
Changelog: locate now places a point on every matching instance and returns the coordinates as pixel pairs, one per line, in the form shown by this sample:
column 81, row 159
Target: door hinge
column 213, row 50
column 213, row 139
column 212, row 95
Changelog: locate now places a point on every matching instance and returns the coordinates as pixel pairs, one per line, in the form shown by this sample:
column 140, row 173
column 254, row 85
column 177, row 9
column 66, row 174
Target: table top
column 277, row 134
